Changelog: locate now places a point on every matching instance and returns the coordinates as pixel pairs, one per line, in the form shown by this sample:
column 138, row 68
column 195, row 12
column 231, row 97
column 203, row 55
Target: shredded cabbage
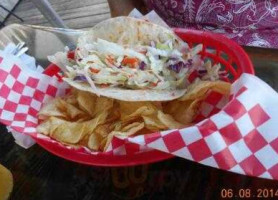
column 157, row 66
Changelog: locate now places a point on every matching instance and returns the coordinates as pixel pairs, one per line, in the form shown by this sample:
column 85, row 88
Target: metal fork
column 19, row 49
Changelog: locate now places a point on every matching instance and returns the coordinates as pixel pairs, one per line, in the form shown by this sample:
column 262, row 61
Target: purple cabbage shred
column 80, row 78
column 172, row 58
column 203, row 71
column 142, row 65
column 178, row 66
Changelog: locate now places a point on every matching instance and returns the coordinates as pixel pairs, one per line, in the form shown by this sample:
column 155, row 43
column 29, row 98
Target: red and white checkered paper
column 240, row 136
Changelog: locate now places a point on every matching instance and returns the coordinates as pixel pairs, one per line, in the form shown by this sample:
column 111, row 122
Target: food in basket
column 132, row 60
column 83, row 119
column 129, row 77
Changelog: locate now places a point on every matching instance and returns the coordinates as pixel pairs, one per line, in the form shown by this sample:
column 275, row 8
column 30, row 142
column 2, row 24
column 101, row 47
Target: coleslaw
column 157, row 66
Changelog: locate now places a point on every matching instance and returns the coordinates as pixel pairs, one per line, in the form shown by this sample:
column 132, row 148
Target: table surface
column 40, row 175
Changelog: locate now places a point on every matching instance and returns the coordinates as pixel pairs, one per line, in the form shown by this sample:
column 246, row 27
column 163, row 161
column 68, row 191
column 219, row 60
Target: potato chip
column 103, row 104
column 104, row 145
column 103, row 130
column 71, row 111
column 71, row 99
column 137, row 114
column 157, row 104
column 86, row 102
column 117, row 125
column 183, row 111
column 135, row 108
column 144, row 131
column 153, row 123
column 94, row 141
column 69, row 132
column 48, row 126
column 93, row 123
column 99, row 137
column 192, row 111
column 132, row 126
column 172, row 106
column 114, row 114
column 44, row 127
column 200, row 88
column 92, row 104
column 134, row 111
column 97, row 132
column 82, row 142
column 168, row 120
column 130, row 130
column 51, row 109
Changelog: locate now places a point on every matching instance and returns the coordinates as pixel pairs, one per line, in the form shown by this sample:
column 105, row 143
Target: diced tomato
column 131, row 62
column 154, row 84
column 71, row 55
column 94, row 70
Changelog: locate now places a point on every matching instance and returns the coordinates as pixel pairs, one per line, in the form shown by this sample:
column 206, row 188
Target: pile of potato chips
column 83, row 119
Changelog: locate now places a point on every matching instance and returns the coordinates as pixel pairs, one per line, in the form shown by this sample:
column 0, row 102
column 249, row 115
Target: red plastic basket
column 217, row 48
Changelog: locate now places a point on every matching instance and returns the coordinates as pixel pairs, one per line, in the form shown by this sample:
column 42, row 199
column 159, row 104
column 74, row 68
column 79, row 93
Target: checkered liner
column 22, row 93
column 242, row 137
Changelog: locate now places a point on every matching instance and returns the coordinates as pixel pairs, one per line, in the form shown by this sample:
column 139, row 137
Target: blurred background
column 41, row 175
column 75, row 14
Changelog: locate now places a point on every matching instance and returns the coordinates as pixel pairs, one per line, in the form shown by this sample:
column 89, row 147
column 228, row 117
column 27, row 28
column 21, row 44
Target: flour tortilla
column 130, row 31
column 130, row 95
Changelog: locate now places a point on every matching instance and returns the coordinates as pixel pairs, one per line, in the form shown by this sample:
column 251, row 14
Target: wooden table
column 75, row 14
column 40, row 175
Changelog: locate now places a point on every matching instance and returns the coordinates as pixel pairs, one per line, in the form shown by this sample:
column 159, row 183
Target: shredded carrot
column 154, row 84
column 94, row 70
column 110, row 59
column 131, row 62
